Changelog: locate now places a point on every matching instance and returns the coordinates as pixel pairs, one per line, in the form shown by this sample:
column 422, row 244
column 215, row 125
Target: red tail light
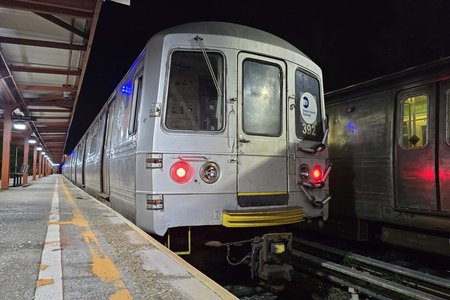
column 316, row 174
column 181, row 172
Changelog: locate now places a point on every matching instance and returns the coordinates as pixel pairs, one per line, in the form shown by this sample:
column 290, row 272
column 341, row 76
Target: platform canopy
column 44, row 49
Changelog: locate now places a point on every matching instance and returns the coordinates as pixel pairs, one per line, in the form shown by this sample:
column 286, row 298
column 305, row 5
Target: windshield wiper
column 199, row 40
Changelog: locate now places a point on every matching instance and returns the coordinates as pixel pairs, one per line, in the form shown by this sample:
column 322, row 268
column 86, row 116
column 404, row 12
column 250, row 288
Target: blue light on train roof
column 126, row 89
column 351, row 127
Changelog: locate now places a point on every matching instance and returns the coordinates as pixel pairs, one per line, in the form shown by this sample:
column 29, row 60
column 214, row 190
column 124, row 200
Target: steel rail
column 413, row 284
column 421, row 277
column 379, row 282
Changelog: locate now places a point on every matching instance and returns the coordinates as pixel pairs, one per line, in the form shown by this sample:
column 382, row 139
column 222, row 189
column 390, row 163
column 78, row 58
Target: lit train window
column 193, row 101
column 415, row 122
column 308, row 110
column 261, row 98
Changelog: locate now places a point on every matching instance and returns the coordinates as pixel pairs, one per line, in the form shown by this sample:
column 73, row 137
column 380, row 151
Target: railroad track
column 367, row 276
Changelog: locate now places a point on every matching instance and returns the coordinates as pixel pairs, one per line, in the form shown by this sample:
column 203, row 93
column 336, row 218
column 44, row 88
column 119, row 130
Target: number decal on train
column 309, row 129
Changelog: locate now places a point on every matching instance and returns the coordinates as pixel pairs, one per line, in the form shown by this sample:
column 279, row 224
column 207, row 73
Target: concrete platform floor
column 57, row 242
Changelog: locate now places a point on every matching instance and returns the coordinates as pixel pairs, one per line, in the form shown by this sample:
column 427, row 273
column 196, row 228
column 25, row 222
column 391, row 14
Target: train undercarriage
column 265, row 254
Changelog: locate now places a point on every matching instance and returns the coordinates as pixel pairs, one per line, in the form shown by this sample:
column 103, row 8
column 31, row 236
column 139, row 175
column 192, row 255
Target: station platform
column 57, row 242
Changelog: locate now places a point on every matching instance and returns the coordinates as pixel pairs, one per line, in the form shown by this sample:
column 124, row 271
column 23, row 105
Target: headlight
column 210, row 172
column 303, row 172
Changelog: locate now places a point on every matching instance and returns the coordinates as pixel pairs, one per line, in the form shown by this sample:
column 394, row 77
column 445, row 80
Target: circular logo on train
column 308, row 108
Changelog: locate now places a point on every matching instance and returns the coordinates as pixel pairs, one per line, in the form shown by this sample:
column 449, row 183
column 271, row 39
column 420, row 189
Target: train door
column 106, row 155
column 262, row 162
column 416, row 144
column 444, row 146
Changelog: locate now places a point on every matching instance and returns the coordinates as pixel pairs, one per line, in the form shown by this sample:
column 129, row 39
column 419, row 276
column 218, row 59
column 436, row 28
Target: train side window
column 80, row 153
column 308, row 112
column 93, row 140
column 193, row 102
column 119, row 116
column 261, row 104
column 137, row 94
column 414, row 131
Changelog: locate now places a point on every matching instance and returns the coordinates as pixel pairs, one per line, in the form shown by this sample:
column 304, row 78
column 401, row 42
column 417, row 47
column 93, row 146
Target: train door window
column 415, row 122
column 193, row 100
column 261, row 105
column 137, row 94
column 308, row 121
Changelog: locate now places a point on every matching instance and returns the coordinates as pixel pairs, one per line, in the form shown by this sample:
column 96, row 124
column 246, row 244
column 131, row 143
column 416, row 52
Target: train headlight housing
column 181, row 172
column 303, row 173
column 210, row 172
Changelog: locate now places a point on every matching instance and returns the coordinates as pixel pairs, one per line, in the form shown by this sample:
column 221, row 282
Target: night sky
column 352, row 41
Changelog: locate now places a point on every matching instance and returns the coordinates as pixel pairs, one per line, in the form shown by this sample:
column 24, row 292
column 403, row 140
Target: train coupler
column 269, row 258
column 274, row 257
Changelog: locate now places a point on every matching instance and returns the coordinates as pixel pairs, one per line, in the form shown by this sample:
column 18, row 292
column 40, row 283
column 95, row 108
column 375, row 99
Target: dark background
column 352, row 41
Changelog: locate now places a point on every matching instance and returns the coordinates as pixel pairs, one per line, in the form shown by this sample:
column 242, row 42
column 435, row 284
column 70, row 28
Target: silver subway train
column 214, row 124
column 390, row 146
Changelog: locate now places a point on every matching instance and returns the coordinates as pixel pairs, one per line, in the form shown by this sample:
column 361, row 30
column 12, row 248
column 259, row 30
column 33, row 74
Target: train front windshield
column 308, row 110
column 193, row 102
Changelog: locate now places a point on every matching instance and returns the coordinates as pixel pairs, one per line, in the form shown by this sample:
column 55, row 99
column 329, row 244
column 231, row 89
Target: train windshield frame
column 193, row 102
column 308, row 107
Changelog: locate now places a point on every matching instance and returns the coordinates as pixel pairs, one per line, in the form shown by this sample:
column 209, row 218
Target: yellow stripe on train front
column 261, row 218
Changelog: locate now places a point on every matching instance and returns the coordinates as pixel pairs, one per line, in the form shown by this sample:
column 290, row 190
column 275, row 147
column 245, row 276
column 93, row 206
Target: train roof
column 232, row 30
column 429, row 71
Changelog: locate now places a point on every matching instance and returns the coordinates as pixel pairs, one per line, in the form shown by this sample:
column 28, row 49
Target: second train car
column 215, row 124
column 390, row 145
